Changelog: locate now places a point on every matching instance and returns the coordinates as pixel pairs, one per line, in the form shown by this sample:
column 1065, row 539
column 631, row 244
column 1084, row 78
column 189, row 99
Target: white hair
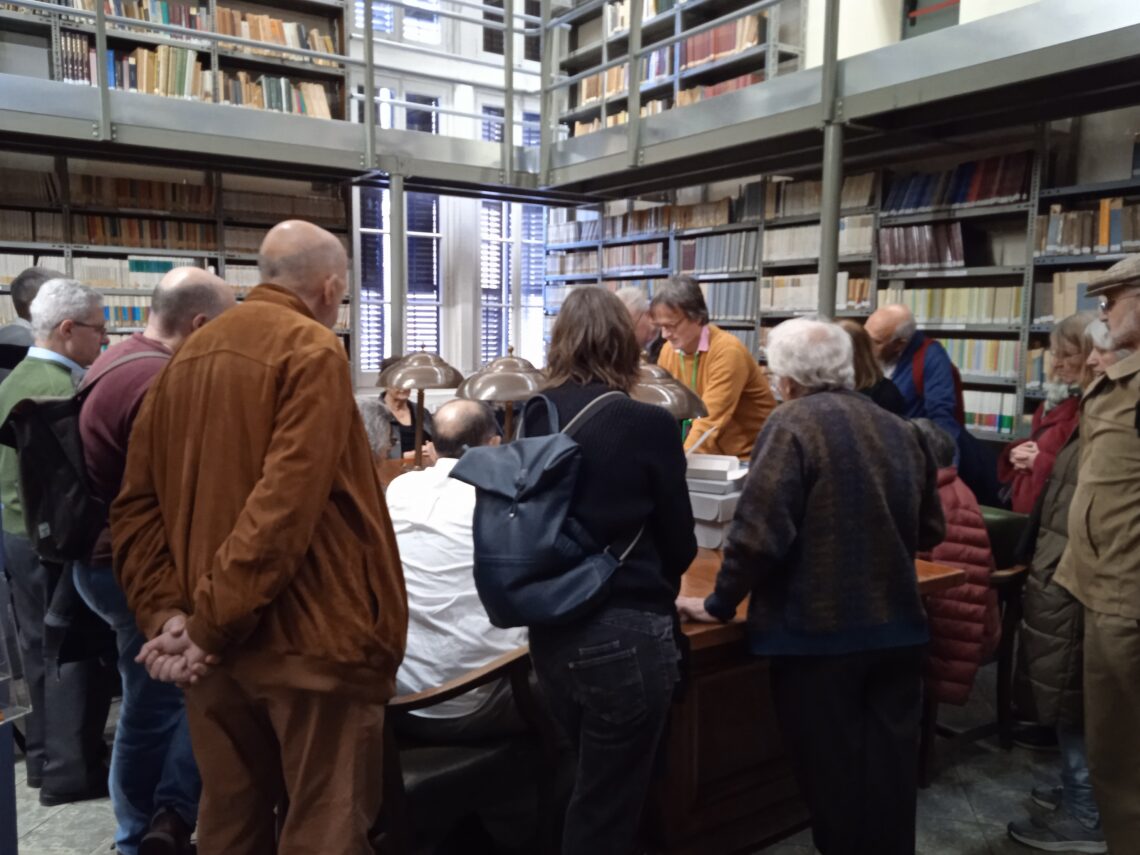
column 815, row 354
column 906, row 329
column 634, row 298
column 60, row 300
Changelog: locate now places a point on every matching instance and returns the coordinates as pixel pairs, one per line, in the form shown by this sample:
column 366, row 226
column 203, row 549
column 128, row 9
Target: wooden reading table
column 728, row 785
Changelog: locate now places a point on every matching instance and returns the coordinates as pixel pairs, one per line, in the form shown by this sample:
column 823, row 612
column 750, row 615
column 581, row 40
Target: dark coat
column 1053, row 626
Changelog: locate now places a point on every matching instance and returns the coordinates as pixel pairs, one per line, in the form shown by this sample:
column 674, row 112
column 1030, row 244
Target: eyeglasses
column 99, row 328
column 1106, row 303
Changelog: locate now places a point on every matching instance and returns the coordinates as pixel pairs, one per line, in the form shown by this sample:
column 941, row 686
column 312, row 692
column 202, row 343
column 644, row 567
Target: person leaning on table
column 839, row 497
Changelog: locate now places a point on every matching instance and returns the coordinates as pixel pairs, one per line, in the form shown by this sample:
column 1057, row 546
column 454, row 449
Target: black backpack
column 534, row 563
column 63, row 517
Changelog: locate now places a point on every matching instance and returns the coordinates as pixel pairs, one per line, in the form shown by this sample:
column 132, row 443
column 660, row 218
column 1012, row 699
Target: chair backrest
column 1005, row 529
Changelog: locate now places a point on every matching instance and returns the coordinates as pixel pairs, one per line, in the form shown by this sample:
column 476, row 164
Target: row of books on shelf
column 23, row 187
column 992, row 180
column 982, row 304
column 613, row 120
column 253, row 26
column 316, row 207
column 695, row 94
column 12, row 264
column 797, row 242
column 615, row 81
column 633, row 255
column 1038, row 368
column 990, row 412
column 801, row 293
column 731, row 301
column 773, row 198
column 26, row 226
column 748, row 336
column 618, row 14
column 921, row 247
column 143, row 232
column 992, row 358
column 650, row 221
column 721, row 42
column 132, row 272
column 723, row 253
column 1066, row 295
column 117, row 192
column 1112, row 227
column 571, row 262
column 175, row 72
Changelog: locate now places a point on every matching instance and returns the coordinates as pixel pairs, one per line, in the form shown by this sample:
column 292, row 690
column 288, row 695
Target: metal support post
column 104, row 132
column 546, row 109
column 369, row 90
column 399, row 234
column 509, row 92
column 633, row 102
column 831, row 193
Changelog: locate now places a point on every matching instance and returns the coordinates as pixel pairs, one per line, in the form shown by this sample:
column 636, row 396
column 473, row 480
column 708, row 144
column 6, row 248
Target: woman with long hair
column 869, row 378
column 609, row 676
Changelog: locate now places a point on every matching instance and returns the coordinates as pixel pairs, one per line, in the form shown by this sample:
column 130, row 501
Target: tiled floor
column 963, row 813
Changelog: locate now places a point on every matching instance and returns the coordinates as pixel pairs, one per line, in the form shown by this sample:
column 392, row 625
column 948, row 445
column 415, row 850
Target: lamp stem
column 508, row 422
column 419, row 458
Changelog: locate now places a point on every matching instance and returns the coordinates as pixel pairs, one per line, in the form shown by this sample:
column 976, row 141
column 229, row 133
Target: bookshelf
column 120, row 227
column 677, row 69
column 265, row 66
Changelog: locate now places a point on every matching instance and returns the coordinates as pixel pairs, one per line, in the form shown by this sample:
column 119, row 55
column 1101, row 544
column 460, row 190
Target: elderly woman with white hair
column 839, row 498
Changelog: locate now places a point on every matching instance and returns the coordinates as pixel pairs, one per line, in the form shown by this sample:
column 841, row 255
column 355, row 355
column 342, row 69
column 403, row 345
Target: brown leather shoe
column 168, row 835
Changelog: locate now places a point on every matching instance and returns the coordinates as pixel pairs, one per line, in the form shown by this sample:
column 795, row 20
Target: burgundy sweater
column 107, row 416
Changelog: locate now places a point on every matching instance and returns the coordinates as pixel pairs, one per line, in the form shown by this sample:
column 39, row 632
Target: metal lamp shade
column 421, row 370
column 508, row 378
column 660, row 388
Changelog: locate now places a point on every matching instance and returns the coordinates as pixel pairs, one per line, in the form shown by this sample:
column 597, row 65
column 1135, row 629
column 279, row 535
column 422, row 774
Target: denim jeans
column 609, row 682
column 1076, row 788
column 152, row 763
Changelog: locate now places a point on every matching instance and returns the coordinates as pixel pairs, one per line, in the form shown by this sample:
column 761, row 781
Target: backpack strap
column 590, row 410
column 918, row 371
column 90, row 381
column 528, row 406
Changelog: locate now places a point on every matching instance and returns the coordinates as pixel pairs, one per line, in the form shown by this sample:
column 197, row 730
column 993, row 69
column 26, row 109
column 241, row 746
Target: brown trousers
column 257, row 746
column 1112, row 725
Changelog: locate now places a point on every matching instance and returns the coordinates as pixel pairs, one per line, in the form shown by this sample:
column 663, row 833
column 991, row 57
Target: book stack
column 991, row 358
column 611, row 82
column 801, row 293
column 29, row 188
column 11, row 266
column 994, row 180
column 125, row 312
column 48, row 227
column 775, row 199
column 343, row 319
column 1066, row 296
column 265, row 28
column 243, row 240
column 720, row 42
column 1112, row 227
column 16, row 226
column 994, row 412
column 648, row 221
column 1038, row 368
column 166, row 70
column 702, row 93
column 703, row 215
column 568, row 232
column 732, row 252
column 243, row 278
column 192, row 16
column 931, row 246
column 571, row 262
column 634, row 256
column 133, row 272
column 798, row 242
column 715, row 481
column 106, row 191
column 279, row 94
column 328, row 208
column 650, row 108
column 731, row 301
column 948, row 307
column 617, row 14
column 150, row 233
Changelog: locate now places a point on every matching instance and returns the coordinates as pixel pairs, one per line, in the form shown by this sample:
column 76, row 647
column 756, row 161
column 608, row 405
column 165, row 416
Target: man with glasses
column 1101, row 565
column 65, row 749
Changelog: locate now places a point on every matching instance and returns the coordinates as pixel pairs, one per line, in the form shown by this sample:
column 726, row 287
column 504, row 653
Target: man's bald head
column 308, row 261
column 461, row 424
column 891, row 328
column 186, row 298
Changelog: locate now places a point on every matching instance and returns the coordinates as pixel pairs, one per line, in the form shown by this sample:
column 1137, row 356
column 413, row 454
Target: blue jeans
column 1076, row 788
column 152, row 763
column 609, row 683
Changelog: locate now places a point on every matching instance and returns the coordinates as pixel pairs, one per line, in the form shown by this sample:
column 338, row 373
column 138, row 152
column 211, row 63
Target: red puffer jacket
column 964, row 622
column 1051, row 430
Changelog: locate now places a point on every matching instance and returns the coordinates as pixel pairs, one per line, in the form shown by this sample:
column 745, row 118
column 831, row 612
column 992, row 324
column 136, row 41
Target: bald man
column 153, row 782
column 253, row 544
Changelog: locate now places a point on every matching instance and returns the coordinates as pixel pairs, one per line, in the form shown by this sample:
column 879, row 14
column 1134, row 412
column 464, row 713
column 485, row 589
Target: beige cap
column 1124, row 272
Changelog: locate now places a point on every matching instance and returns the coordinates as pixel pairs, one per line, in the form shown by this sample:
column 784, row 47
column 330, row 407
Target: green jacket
column 32, row 378
column 1101, row 565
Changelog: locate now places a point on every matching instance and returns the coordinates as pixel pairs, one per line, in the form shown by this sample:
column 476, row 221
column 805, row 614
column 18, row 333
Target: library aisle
column 964, row 812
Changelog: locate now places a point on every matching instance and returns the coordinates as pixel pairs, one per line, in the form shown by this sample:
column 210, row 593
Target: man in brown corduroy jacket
column 254, row 546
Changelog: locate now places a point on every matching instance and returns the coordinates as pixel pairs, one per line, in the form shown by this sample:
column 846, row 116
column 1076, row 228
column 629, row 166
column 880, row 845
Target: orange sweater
column 734, row 389
column 250, row 503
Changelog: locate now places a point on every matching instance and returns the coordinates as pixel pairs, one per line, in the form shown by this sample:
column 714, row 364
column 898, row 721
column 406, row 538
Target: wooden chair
column 1005, row 530
column 428, row 787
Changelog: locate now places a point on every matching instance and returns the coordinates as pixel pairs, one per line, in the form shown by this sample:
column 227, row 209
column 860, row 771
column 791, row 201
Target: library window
column 493, row 38
column 383, row 17
column 421, row 24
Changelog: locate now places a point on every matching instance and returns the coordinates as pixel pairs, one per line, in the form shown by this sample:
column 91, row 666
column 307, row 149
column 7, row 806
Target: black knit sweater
column 632, row 472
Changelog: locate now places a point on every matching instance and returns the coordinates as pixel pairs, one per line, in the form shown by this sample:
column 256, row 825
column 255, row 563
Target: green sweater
column 32, row 378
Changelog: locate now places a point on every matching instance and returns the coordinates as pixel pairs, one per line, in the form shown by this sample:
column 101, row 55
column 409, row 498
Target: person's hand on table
column 693, row 608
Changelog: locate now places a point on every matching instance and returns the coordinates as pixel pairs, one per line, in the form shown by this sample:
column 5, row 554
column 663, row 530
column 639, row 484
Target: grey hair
column 905, row 331
column 376, row 425
column 175, row 308
column 815, row 354
column 634, row 299
column 941, row 444
column 60, row 300
column 683, row 294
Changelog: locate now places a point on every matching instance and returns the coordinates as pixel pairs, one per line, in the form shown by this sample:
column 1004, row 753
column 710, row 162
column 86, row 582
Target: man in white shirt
column 449, row 633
